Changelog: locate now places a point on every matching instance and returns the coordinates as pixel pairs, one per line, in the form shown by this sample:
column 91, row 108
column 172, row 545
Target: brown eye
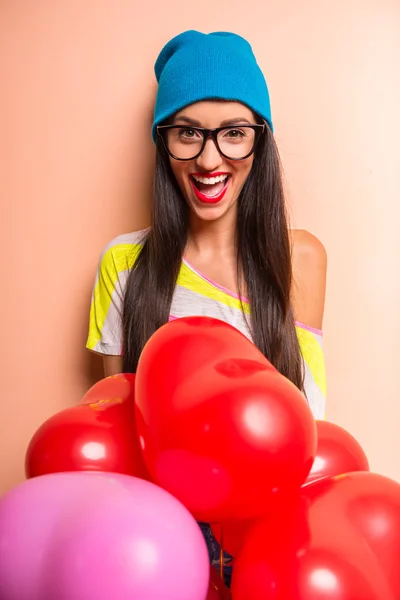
column 187, row 132
column 235, row 133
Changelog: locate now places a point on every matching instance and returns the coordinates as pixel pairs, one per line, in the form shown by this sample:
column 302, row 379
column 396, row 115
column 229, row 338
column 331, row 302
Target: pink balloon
column 111, row 536
column 28, row 515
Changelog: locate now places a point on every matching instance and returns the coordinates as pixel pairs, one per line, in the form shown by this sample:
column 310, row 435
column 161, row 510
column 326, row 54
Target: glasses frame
column 213, row 134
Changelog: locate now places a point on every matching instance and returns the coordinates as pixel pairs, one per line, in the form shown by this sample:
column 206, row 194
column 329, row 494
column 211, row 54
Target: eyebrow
column 227, row 122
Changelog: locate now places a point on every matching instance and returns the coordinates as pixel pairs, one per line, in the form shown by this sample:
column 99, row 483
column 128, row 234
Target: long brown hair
column 263, row 262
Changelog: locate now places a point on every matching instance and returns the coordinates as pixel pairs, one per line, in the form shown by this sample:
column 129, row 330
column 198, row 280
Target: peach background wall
column 76, row 156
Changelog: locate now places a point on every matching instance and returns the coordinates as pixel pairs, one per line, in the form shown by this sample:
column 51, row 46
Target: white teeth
column 210, row 180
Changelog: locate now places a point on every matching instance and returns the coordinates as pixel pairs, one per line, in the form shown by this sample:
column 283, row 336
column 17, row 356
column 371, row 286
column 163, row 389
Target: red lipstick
column 204, row 197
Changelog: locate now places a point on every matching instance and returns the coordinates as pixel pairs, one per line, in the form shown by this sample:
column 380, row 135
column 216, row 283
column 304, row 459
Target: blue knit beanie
column 195, row 66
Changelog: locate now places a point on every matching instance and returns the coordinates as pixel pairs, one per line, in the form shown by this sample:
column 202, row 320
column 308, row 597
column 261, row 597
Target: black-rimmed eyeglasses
column 183, row 142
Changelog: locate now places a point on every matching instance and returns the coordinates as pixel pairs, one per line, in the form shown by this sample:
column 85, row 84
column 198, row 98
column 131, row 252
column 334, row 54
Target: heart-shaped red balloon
column 338, row 452
column 368, row 503
column 111, row 390
column 97, row 435
column 220, row 428
column 340, row 541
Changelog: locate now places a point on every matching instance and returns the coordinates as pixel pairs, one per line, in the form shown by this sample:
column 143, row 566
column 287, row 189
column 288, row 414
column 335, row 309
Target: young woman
column 219, row 242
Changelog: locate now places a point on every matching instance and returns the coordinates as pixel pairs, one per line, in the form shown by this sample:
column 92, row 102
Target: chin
column 211, row 212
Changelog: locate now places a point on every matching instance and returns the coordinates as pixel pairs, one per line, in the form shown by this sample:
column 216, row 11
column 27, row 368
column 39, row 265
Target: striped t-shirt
column 194, row 294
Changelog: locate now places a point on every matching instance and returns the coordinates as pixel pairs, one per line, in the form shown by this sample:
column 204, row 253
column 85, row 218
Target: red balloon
column 341, row 542
column 217, row 589
column 337, row 452
column 231, row 534
column 99, row 435
column 221, row 428
column 111, row 390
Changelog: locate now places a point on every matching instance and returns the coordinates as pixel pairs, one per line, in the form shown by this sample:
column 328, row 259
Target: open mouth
column 210, row 189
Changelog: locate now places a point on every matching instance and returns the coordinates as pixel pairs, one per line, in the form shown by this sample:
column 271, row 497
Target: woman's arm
column 112, row 365
column 309, row 264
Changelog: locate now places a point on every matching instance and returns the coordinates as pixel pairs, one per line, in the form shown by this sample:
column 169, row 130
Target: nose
column 210, row 159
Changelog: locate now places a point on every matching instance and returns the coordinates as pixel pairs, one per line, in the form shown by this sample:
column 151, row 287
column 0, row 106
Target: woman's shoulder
column 126, row 241
column 307, row 246
column 309, row 265
column 120, row 253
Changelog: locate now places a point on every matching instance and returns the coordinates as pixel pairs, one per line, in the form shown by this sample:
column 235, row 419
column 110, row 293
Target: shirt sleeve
column 105, row 322
column 311, row 347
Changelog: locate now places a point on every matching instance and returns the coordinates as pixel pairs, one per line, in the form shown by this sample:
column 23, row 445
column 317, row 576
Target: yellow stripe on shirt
column 313, row 356
column 192, row 281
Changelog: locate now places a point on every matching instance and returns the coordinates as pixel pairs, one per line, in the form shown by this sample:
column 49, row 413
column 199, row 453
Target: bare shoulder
column 309, row 265
column 306, row 246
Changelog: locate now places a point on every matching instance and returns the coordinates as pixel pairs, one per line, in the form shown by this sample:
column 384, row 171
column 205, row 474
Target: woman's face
column 211, row 199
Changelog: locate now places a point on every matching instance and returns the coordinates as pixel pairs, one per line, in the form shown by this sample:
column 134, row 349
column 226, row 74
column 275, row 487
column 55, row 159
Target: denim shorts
column 214, row 553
